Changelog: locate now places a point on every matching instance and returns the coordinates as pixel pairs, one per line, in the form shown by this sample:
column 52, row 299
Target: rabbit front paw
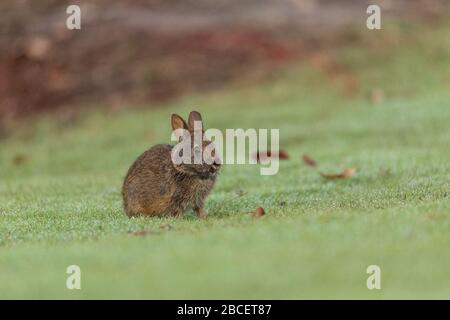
column 201, row 213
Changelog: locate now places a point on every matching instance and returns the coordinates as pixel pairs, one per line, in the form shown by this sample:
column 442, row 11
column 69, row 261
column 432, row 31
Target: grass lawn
column 60, row 201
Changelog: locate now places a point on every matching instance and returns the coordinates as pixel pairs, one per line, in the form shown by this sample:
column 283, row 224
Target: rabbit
column 156, row 186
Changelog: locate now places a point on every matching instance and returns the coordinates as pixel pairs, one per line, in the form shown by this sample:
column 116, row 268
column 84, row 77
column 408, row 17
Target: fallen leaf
column 347, row 173
column 309, row 161
column 142, row 233
column 429, row 216
column 259, row 212
column 166, row 227
column 377, row 96
column 282, row 154
column 20, row 159
column 265, row 155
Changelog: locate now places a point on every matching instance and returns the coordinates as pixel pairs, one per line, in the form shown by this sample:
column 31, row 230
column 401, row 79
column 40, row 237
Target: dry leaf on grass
column 20, row 159
column 166, row 227
column 347, row 173
column 259, row 212
column 265, row 155
column 309, row 161
column 377, row 96
column 143, row 233
column 429, row 216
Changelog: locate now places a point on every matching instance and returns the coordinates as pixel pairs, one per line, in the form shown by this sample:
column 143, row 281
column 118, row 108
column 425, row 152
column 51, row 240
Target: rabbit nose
column 214, row 167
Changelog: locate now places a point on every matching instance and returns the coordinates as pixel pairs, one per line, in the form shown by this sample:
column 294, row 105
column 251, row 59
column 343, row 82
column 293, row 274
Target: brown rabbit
column 156, row 186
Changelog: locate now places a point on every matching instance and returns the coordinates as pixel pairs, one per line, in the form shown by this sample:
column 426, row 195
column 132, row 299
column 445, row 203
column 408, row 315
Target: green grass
column 62, row 205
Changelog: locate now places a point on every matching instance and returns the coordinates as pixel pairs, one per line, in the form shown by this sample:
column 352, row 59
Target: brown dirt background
column 149, row 52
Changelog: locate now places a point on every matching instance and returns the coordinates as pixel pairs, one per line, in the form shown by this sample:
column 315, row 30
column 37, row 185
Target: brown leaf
column 309, row 161
column 265, row 155
column 142, row 233
column 166, row 227
column 259, row 212
column 347, row 173
column 429, row 216
column 283, row 155
column 377, row 96
column 20, row 159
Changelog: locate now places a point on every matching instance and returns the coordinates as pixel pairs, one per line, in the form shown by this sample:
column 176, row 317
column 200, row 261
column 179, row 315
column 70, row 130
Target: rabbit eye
column 197, row 149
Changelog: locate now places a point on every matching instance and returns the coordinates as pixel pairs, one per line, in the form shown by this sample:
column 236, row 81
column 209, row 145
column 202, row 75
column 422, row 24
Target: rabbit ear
column 178, row 122
column 194, row 116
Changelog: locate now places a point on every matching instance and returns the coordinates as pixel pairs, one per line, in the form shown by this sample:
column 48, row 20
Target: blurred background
column 148, row 52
